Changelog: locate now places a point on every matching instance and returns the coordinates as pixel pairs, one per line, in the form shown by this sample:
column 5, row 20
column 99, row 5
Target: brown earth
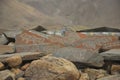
column 93, row 13
column 17, row 14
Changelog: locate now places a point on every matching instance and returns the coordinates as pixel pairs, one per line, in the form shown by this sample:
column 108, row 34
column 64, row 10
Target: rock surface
column 21, row 78
column 34, row 41
column 84, row 76
column 79, row 55
column 31, row 37
column 95, row 74
column 6, row 75
column 112, row 77
column 2, row 66
column 113, row 54
column 24, row 56
column 112, row 45
column 3, row 39
column 18, row 73
column 6, row 49
column 12, row 33
column 24, row 67
column 52, row 68
column 115, row 69
column 98, row 42
column 14, row 61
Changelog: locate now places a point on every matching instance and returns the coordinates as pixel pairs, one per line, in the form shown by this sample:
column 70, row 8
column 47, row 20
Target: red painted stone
column 29, row 37
column 32, row 41
column 96, row 42
column 37, row 48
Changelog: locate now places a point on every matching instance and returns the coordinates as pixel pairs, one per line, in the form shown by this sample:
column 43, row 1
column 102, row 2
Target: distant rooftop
column 101, row 29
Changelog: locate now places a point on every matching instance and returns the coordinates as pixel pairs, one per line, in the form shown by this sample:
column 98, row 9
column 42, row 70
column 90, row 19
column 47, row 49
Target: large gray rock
column 80, row 55
column 52, row 68
column 113, row 54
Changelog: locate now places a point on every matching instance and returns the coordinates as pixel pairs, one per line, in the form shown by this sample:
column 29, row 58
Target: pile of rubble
column 58, row 55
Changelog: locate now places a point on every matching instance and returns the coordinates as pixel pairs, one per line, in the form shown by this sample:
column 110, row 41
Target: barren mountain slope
column 81, row 12
column 17, row 15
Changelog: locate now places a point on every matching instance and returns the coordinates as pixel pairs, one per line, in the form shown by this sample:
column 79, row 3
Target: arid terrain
column 59, row 40
column 16, row 14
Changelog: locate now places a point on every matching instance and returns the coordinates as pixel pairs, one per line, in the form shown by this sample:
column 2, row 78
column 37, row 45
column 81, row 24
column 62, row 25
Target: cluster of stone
column 39, row 55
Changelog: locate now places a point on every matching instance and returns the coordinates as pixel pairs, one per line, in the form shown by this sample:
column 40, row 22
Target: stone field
column 39, row 55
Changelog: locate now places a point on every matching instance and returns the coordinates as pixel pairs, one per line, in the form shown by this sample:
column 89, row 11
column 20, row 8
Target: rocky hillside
column 17, row 15
column 93, row 13
column 33, row 55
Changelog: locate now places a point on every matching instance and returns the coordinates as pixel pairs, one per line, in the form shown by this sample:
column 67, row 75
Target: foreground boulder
column 95, row 74
column 115, row 69
column 24, row 67
column 112, row 77
column 52, row 68
column 84, row 76
column 2, row 66
column 24, row 56
column 14, row 61
column 6, row 75
column 18, row 73
column 21, row 78
column 80, row 55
